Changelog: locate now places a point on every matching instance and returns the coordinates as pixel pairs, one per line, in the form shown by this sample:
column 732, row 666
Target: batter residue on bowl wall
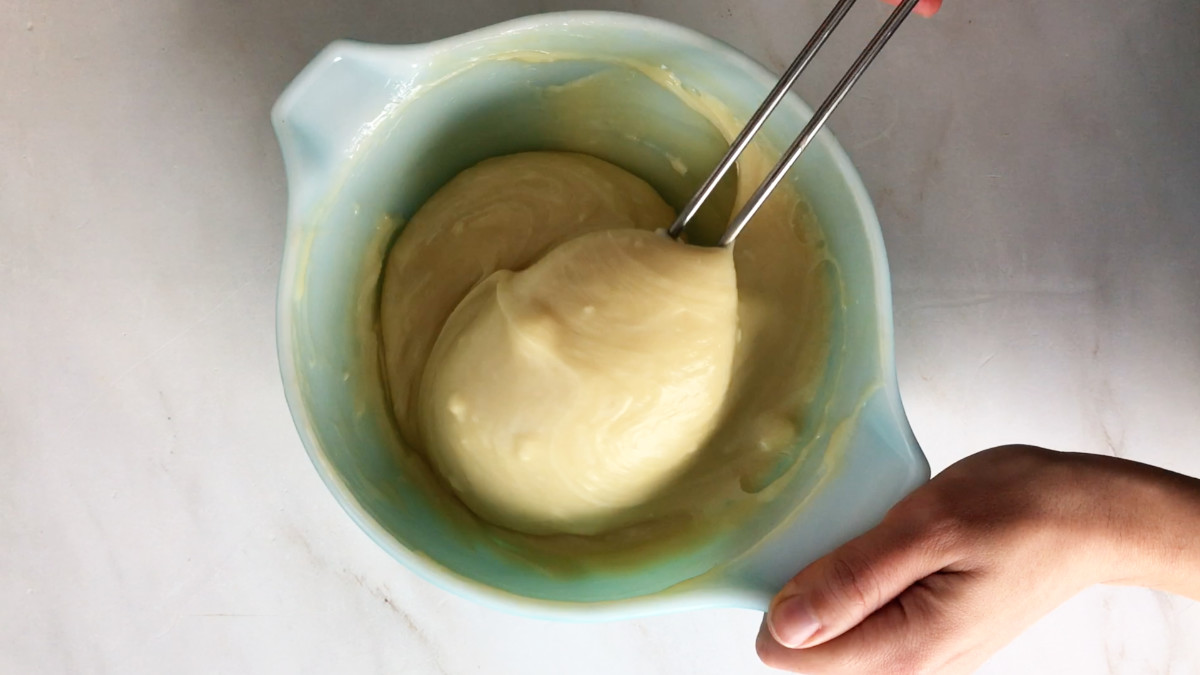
column 510, row 216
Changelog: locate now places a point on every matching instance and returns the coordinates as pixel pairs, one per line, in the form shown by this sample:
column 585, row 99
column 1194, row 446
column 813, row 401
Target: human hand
column 924, row 8
column 966, row 562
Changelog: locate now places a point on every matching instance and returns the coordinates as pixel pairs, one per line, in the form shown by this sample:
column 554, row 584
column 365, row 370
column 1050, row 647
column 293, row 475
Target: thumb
column 838, row 591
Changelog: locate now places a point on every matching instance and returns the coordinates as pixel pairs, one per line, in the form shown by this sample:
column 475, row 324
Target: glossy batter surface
column 561, row 397
column 567, row 370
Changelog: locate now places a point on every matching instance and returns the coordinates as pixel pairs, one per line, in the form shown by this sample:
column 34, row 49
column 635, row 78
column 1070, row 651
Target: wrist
column 1143, row 524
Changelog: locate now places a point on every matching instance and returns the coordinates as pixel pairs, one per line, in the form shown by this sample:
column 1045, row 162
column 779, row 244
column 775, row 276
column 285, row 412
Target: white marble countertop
column 1035, row 166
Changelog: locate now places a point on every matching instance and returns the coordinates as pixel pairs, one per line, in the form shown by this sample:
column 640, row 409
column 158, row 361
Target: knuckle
column 766, row 655
column 897, row 662
column 853, row 582
column 770, row 653
column 935, row 506
column 935, row 521
column 884, row 658
column 944, row 533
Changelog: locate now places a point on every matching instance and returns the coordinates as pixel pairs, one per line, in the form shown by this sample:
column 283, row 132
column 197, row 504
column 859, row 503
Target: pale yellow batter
column 561, row 397
column 567, row 370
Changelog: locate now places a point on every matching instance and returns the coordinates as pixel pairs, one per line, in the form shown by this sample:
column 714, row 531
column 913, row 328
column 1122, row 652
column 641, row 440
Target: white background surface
column 1035, row 166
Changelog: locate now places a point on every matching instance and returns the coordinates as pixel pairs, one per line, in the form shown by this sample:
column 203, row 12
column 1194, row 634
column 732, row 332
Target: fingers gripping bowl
column 369, row 133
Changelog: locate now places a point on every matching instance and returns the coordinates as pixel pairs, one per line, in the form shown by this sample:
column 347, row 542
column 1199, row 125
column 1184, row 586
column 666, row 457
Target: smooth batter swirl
column 561, row 397
column 622, row 410
column 503, row 213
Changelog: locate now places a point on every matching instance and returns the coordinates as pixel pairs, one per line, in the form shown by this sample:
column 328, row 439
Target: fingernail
column 792, row 623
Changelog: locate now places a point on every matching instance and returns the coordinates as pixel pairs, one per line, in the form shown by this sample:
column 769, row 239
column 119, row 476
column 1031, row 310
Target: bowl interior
column 410, row 118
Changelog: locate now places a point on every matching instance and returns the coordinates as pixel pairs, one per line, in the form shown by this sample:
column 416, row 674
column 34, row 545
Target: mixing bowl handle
column 324, row 114
column 878, row 442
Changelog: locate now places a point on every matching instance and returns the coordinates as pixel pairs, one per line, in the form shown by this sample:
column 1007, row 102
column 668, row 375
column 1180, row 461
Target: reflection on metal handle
column 810, row 131
column 760, row 116
column 818, row 120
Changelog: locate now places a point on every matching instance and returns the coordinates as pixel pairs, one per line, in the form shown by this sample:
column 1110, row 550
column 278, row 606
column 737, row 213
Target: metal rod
column 757, row 120
column 818, row 121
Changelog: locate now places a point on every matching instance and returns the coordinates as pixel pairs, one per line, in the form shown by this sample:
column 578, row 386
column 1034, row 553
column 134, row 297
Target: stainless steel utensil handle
column 760, row 116
column 756, row 121
column 818, row 120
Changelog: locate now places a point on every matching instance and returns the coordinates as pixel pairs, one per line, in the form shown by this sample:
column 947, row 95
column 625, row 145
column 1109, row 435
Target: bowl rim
column 667, row 600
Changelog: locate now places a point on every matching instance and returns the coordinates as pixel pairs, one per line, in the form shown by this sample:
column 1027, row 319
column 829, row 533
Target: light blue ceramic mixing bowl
column 371, row 130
